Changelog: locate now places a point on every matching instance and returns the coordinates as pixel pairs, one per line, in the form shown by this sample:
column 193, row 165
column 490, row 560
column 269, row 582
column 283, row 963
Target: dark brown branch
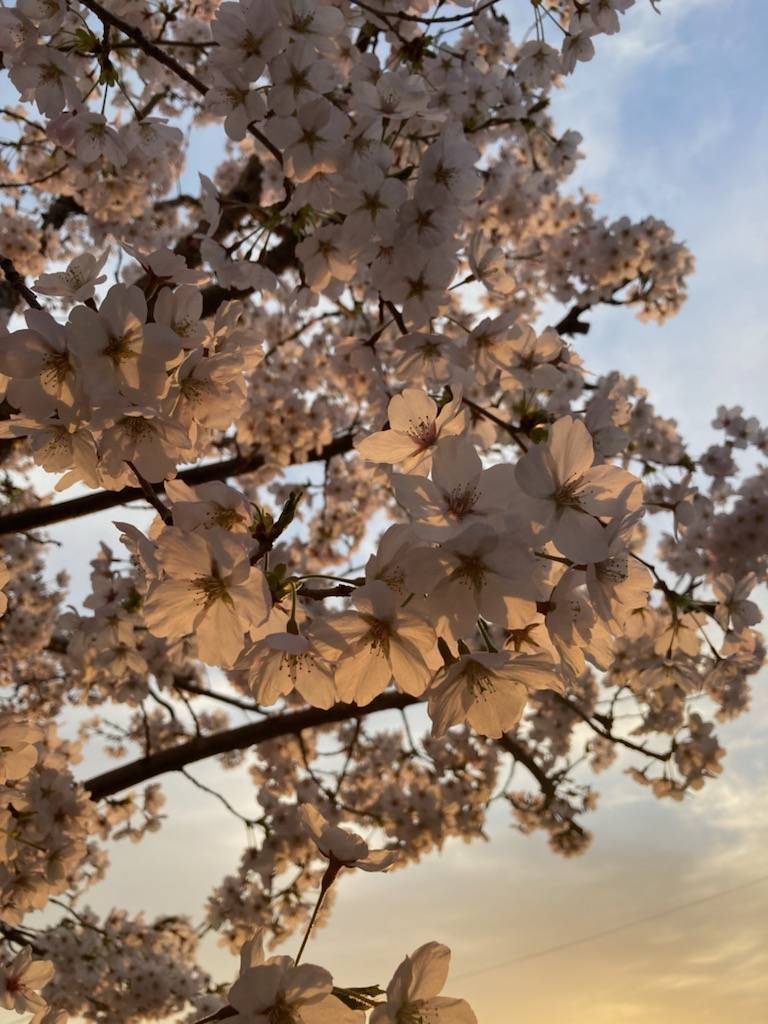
column 138, row 37
column 286, row 724
column 608, row 735
column 224, row 698
column 17, row 283
column 47, row 515
column 151, row 495
column 572, row 323
column 524, row 756
column 513, row 432
column 198, row 749
column 154, row 51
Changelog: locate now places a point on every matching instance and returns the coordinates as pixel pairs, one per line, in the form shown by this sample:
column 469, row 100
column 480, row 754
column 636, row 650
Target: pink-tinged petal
column 580, row 537
column 219, row 634
column 306, row 983
column 498, row 488
column 534, row 671
column 455, row 463
column 409, row 669
column 495, row 711
column 183, row 555
column 252, row 600
column 549, row 345
column 379, row 860
column 429, row 970
column 171, row 608
column 347, row 627
column 38, row 973
column 534, row 473
column 610, row 491
column 20, row 763
column 570, row 446
column 256, row 989
column 386, row 446
column 448, row 704
column 411, row 408
column 519, row 612
column 22, row 354
column 418, row 495
column 449, row 426
column 453, row 1011
column 362, row 676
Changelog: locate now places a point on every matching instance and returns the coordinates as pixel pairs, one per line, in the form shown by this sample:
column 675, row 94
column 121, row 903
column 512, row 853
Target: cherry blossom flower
column 109, row 351
column 415, row 428
column 78, row 282
column 528, row 361
column 413, row 994
column 40, row 366
column 483, row 573
column 571, row 496
column 619, row 583
column 18, row 754
column 232, row 98
column 459, row 494
column 489, row 690
column 278, row 990
column 163, row 266
column 310, row 140
column 395, row 96
column 375, row 643
column 282, row 662
column 733, row 607
column 208, row 589
column 96, row 139
column 48, row 77
column 298, row 77
column 344, row 848
column 21, row 981
column 248, row 35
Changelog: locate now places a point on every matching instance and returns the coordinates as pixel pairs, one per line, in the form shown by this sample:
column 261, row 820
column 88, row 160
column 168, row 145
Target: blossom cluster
column 380, row 480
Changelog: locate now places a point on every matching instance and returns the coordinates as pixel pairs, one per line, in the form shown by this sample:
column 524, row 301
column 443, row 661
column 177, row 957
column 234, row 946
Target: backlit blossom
column 21, row 981
column 378, row 641
column 415, row 428
column 208, row 589
column 572, row 497
column 413, row 994
column 342, row 847
column 488, row 690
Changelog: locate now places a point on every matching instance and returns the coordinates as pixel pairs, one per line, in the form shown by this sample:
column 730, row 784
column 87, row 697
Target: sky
column 674, row 122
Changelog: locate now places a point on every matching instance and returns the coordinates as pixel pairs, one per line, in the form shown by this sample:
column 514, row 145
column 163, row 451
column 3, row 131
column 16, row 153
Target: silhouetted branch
column 46, row 515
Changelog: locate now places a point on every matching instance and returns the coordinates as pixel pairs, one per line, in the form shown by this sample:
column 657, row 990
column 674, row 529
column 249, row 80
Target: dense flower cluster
column 379, row 484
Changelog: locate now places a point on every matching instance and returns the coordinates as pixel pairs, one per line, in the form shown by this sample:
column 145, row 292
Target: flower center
column 471, row 571
column 567, row 494
column 211, row 589
column 461, row 501
column 423, row 433
column 54, row 371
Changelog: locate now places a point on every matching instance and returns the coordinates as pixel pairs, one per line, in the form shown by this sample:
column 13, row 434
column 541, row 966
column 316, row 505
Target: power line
column 613, row 930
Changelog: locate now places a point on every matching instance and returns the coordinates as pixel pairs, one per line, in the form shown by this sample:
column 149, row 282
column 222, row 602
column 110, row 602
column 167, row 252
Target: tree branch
column 46, row 515
column 608, row 735
column 200, row 748
column 17, row 283
column 291, row 723
column 521, row 754
column 138, row 37
column 572, row 323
